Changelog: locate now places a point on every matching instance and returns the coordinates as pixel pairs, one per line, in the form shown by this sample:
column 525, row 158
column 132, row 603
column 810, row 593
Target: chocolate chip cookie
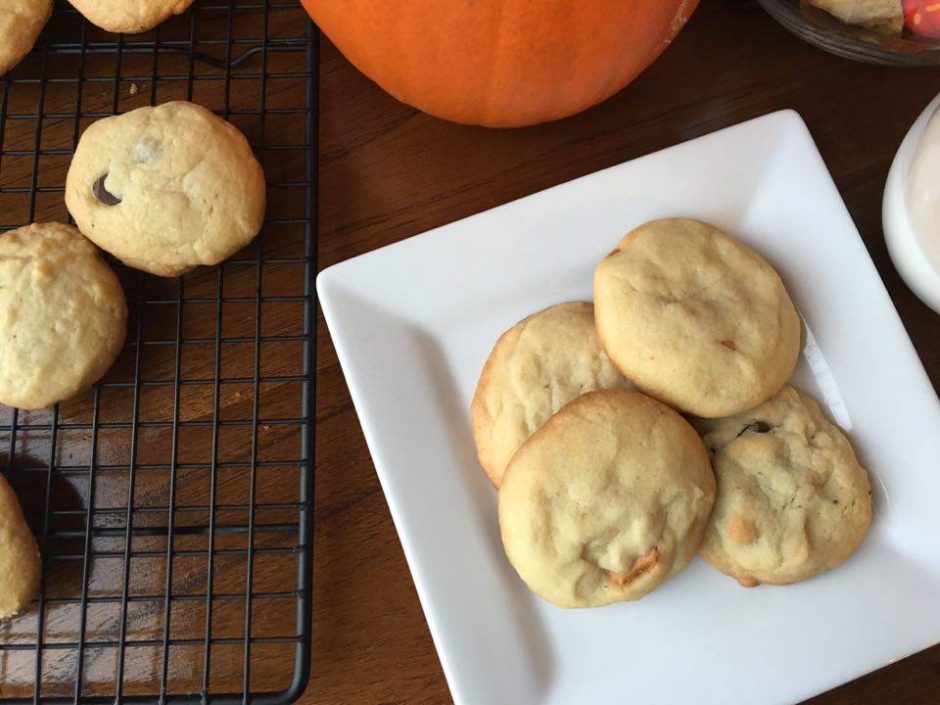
column 535, row 368
column 166, row 189
column 793, row 500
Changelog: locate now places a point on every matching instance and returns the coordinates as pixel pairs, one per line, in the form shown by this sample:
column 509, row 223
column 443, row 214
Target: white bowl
column 906, row 246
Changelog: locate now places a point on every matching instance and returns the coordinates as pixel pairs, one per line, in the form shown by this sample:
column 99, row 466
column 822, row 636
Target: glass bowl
column 825, row 31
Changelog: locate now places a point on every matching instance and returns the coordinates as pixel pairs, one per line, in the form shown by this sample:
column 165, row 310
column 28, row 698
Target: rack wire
column 173, row 502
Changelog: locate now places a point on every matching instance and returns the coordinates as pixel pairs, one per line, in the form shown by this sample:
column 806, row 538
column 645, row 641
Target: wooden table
column 388, row 172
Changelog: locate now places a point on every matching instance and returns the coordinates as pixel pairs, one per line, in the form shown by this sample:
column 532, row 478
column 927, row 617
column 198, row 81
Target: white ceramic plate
column 413, row 323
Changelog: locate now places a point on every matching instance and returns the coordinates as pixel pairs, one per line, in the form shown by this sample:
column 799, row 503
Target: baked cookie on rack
column 63, row 316
column 166, row 189
column 21, row 21
column 20, row 564
column 129, row 16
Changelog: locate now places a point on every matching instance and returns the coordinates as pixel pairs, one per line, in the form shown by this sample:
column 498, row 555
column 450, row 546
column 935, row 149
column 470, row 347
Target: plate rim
column 330, row 280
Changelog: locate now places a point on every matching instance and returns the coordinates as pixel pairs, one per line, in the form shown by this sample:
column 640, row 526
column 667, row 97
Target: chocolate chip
column 102, row 194
column 756, row 427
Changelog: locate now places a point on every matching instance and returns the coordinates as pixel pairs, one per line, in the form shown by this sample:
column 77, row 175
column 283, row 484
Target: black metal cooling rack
column 174, row 501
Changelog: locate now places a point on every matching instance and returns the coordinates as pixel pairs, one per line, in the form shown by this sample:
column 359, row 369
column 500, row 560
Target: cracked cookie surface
column 166, row 189
column 535, row 368
column 606, row 501
column 63, row 316
column 695, row 318
column 793, row 500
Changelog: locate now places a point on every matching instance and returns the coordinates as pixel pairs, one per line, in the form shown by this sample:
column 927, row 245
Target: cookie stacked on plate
column 606, row 489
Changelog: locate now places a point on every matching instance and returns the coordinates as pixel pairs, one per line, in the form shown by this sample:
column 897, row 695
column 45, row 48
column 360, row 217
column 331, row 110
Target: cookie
column 606, row 501
column 129, row 16
column 21, row 21
column 881, row 16
column 793, row 500
column 20, row 565
column 63, row 315
column 535, row 368
column 166, row 189
column 695, row 318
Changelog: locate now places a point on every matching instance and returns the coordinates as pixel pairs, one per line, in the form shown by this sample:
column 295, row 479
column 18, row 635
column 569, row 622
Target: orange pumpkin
column 501, row 63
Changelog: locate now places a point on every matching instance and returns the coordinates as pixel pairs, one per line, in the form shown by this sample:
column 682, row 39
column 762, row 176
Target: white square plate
column 413, row 323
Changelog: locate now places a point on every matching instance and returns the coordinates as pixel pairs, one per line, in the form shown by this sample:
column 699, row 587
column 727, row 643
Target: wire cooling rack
column 174, row 501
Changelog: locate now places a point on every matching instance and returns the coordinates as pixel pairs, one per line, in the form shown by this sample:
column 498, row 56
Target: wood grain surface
column 203, row 452
column 388, row 172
